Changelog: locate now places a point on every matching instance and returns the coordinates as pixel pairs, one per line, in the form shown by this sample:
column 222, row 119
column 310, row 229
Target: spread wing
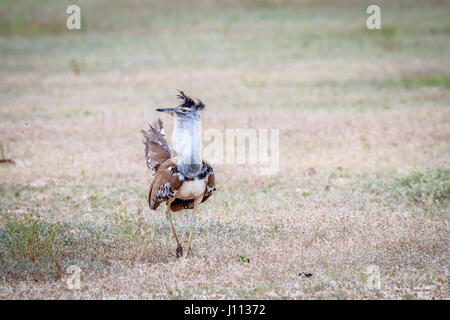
column 165, row 185
column 157, row 150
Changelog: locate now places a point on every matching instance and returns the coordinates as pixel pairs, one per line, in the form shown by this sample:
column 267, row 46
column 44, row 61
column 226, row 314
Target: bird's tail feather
column 157, row 150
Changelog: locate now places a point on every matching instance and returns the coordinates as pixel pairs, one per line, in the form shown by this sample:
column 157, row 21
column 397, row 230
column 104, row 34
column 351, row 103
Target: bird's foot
column 179, row 251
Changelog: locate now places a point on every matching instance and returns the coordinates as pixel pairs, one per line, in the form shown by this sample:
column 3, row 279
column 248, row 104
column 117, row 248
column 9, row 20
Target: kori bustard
column 182, row 179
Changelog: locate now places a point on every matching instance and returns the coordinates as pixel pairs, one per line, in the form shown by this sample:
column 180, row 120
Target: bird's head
column 187, row 110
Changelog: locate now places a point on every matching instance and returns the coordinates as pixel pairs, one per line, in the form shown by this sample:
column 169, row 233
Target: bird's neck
column 187, row 142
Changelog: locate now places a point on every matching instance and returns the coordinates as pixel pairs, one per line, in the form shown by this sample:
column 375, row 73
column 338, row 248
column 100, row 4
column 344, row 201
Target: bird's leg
column 191, row 227
column 179, row 251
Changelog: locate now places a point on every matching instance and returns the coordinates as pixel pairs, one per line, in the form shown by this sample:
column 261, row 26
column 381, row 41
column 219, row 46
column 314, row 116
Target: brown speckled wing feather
column 165, row 185
column 211, row 184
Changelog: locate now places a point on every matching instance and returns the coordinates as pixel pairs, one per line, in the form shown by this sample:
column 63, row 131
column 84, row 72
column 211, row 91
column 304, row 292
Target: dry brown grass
column 364, row 111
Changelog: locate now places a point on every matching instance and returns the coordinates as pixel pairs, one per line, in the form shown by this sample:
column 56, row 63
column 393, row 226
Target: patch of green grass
column 32, row 248
column 74, row 66
column 414, row 82
column 424, row 186
column 30, row 240
column 134, row 228
column 385, row 31
column 442, row 81
column 423, row 189
column 24, row 27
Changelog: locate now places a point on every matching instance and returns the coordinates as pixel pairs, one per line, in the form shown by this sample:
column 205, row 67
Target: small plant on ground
column 29, row 239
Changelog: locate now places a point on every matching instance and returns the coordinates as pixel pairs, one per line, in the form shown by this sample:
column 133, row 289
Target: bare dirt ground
column 364, row 172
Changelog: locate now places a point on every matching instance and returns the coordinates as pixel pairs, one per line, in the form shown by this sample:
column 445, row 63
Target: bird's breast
column 191, row 189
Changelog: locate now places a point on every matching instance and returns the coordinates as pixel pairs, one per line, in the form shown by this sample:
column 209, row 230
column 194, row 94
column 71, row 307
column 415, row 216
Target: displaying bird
column 182, row 179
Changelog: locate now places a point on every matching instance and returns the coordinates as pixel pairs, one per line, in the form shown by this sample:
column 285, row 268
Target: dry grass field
column 367, row 110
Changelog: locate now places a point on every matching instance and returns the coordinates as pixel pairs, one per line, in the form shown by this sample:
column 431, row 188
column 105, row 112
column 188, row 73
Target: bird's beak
column 168, row 110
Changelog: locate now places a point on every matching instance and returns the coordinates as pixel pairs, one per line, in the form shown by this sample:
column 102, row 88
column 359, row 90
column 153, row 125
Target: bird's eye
column 184, row 110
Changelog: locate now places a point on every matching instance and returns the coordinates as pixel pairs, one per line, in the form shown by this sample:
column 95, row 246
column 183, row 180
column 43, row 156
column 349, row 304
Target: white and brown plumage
column 182, row 179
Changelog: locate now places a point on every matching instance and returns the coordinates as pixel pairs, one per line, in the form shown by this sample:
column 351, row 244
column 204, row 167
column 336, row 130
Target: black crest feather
column 188, row 102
